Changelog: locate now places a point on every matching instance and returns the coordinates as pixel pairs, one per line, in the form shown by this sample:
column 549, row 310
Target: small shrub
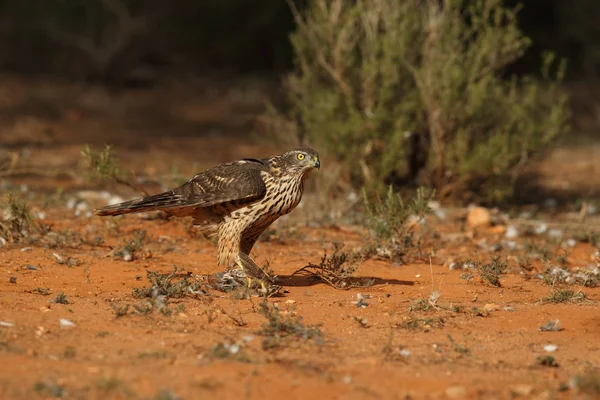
column 426, row 304
column 166, row 394
column 49, row 389
column 164, row 287
column 390, row 220
column 120, row 311
column 588, row 383
column 131, row 248
column 69, row 352
column 176, row 284
column 41, row 291
column 16, row 222
column 110, row 385
column 160, row 354
column 564, row 296
column 414, row 91
column 337, row 269
column 104, row 165
column 551, row 326
column 584, row 276
column 279, row 327
column 229, row 351
column 547, row 361
column 66, row 260
column 421, row 323
column 61, row 298
column 460, row 349
column 489, row 272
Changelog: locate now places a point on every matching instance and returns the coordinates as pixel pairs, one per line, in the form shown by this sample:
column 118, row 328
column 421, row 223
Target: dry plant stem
column 323, row 274
column 5, row 229
column 135, row 185
column 319, row 273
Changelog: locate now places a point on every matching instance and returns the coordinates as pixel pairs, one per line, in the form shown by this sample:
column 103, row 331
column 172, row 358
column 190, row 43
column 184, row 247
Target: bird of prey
column 236, row 201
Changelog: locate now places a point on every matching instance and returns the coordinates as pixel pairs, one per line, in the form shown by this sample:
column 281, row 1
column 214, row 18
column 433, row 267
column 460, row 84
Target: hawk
column 237, row 201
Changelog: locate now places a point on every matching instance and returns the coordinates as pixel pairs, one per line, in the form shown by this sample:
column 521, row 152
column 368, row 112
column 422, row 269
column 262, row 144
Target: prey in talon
column 237, row 201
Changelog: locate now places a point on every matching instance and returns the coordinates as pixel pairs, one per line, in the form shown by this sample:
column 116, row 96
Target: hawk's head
column 300, row 160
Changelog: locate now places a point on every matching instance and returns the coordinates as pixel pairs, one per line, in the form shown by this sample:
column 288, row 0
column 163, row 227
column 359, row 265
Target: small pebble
column 479, row 217
column 551, row 326
column 550, row 348
column 512, row 232
column 353, row 197
column 541, row 229
column 127, row 256
column 65, row 323
column 6, row 324
column 234, row 348
column 247, row 339
column 71, row 203
column 491, row 307
column 555, row 233
column 456, row 392
column 522, row 390
column 361, row 300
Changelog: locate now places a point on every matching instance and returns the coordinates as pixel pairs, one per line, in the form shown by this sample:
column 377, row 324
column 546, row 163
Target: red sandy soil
column 134, row 356
column 477, row 341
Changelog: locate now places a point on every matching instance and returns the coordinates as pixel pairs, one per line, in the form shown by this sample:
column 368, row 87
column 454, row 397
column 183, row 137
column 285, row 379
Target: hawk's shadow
column 298, row 280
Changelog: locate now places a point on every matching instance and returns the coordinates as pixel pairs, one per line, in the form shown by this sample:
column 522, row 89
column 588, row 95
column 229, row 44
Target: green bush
column 414, row 91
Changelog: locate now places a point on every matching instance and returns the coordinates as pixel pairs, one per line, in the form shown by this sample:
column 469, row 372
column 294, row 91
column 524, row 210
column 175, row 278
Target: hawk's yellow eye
column 301, row 156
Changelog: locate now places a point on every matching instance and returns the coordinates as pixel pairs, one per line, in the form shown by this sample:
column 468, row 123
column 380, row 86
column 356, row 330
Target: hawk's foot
column 248, row 275
column 236, row 279
column 252, row 269
column 258, row 279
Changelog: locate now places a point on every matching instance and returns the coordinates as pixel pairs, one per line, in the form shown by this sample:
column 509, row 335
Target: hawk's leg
column 235, row 243
column 254, row 272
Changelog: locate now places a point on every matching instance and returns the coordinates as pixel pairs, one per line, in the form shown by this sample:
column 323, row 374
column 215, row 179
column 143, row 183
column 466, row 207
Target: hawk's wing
column 232, row 185
column 239, row 182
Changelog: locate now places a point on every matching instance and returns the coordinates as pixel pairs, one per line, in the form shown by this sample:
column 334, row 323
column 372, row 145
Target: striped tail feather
column 162, row 201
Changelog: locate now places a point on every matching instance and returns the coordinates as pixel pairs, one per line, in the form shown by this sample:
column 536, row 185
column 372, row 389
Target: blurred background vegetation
column 453, row 94
column 112, row 39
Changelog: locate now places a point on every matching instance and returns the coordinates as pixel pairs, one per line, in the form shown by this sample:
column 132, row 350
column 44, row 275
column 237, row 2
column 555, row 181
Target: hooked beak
column 316, row 163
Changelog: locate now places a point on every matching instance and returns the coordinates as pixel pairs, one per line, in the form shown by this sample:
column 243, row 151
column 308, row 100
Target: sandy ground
column 470, row 340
